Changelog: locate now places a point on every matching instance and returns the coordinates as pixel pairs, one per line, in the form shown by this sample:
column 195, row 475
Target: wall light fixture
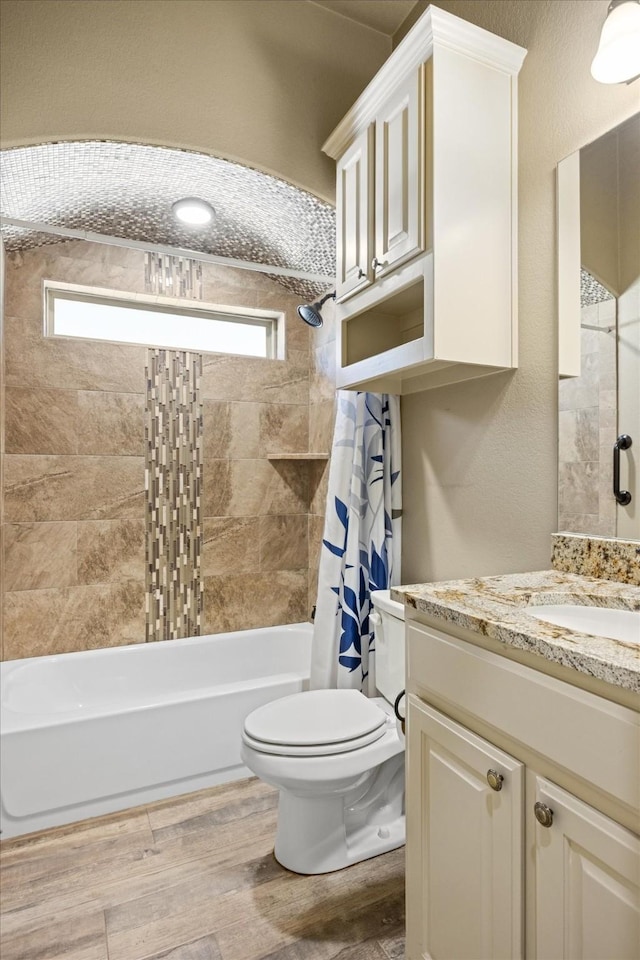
column 618, row 57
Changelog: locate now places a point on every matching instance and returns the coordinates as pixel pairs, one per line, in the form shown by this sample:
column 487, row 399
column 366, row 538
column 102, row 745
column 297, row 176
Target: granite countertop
column 496, row 607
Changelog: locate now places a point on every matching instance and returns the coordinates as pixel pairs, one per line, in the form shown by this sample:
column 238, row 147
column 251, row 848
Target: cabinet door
column 587, row 882
column 464, row 843
column 399, row 165
column 354, row 216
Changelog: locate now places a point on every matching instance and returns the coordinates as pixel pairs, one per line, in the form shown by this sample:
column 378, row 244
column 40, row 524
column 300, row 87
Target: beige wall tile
column 23, row 284
column 110, row 423
column 111, row 550
column 59, row 363
column 312, row 590
column 249, row 378
column 284, row 428
column 297, row 333
column 216, row 429
column 227, row 295
column 321, row 425
column 231, row 545
column 251, row 488
column 41, row 421
column 73, row 488
column 262, row 487
column 39, row 555
column 231, row 429
column 216, row 488
column 318, row 486
column 316, row 531
column 254, row 600
column 283, row 543
column 41, row 622
column 323, row 375
column 578, row 488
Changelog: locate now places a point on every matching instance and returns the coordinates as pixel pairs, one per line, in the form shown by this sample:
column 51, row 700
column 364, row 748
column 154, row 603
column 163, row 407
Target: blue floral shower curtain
column 361, row 545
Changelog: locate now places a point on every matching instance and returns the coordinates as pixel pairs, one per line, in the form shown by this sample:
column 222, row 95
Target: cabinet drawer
column 589, row 736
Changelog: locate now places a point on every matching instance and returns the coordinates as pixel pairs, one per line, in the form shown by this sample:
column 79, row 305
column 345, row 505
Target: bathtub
column 83, row 734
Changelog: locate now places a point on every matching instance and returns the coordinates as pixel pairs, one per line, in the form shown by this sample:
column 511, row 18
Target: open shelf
column 297, row 456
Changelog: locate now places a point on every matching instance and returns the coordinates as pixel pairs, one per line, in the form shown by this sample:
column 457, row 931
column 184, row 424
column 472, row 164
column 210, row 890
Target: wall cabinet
column 379, row 192
column 517, row 852
column 426, row 212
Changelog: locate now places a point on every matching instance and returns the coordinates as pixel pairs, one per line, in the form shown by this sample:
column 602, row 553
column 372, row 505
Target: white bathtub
column 84, row 734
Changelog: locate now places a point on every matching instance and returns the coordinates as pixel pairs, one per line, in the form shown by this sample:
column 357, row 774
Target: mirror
column 599, row 339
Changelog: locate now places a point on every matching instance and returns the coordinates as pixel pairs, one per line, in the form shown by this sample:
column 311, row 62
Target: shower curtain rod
column 162, row 248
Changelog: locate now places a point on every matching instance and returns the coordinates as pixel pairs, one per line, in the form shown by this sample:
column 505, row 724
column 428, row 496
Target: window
column 158, row 321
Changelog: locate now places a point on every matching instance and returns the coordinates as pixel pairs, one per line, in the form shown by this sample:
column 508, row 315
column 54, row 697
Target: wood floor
column 193, row 878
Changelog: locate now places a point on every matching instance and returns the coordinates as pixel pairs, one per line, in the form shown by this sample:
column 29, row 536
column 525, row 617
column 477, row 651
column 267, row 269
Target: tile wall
column 587, row 428
column 76, row 527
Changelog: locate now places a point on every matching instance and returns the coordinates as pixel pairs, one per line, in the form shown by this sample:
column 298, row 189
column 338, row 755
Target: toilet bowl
column 337, row 758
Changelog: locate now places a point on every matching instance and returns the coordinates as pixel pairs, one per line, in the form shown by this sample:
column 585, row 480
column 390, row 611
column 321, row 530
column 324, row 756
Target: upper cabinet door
column 400, row 183
column 587, row 886
column 464, row 843
column 354, row 216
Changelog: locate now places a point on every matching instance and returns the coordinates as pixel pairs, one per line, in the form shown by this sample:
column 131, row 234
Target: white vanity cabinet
column 426, row 212
column 523, row 797
column 465, row 842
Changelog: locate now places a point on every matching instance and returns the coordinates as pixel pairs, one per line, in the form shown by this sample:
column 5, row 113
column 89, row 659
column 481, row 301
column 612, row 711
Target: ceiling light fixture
column 618, row 56
column 193, row 211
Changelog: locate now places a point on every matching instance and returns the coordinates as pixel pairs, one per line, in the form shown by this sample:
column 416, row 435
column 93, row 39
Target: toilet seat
column 315, row 723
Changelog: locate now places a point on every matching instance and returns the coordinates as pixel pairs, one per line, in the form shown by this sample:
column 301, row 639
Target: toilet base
column 320, row 834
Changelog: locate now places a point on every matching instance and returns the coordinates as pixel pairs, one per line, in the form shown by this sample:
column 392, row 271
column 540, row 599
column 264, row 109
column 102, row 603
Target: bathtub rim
column 15, row 721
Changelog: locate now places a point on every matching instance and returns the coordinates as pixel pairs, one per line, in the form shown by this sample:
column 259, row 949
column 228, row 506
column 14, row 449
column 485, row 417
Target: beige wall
column 259, row 82
column 76, row 526
column 480, row 458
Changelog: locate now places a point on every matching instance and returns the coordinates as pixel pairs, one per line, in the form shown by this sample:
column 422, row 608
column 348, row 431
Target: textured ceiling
column 382, row 15
column 126, row 190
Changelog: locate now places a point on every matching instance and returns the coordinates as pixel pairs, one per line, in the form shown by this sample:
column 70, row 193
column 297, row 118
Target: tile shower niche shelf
column 297, row 456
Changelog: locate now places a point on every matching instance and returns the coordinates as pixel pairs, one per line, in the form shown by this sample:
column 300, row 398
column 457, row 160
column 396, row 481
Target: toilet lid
column 328, row 717
column 317, row 750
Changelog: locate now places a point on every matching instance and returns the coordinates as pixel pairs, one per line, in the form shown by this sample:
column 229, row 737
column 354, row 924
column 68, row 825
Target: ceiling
column 382, row 15
column 126, row 190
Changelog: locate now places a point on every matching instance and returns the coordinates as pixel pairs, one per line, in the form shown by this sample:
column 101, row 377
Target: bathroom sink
column 597, row 621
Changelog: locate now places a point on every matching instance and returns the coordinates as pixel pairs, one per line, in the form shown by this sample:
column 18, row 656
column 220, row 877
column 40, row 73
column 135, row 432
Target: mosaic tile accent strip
column 173, row 482
column 126, row 190
column 591, row 290
column 172, row 276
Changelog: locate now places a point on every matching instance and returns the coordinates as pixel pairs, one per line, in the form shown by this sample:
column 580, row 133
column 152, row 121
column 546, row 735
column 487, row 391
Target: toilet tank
column 388, row 628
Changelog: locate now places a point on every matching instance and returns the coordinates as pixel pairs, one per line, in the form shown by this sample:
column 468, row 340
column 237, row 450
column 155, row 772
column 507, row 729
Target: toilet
column 337, row 758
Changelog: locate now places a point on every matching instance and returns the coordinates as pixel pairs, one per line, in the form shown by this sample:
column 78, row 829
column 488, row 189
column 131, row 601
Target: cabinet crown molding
column 434, row 28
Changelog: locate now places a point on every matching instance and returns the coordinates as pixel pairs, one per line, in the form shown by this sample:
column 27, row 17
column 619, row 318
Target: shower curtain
column 361, row 545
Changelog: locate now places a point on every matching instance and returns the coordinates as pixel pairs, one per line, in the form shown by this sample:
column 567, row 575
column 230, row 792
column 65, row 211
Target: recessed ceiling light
column 193, row 211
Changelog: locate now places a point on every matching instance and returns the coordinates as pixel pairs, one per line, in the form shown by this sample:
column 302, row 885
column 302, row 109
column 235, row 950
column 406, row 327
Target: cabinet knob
column 544, row 814
column 361, row 273
column 375, row 264
column 495, row 780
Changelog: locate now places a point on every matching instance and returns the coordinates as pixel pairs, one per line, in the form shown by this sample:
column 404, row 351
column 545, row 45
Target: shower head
column 310, row 312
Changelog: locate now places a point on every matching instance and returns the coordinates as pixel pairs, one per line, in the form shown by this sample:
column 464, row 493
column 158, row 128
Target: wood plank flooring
column 192, row 878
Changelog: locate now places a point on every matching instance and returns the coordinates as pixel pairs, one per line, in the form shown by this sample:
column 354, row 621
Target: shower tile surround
column 587, row 419
column 76, row 514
